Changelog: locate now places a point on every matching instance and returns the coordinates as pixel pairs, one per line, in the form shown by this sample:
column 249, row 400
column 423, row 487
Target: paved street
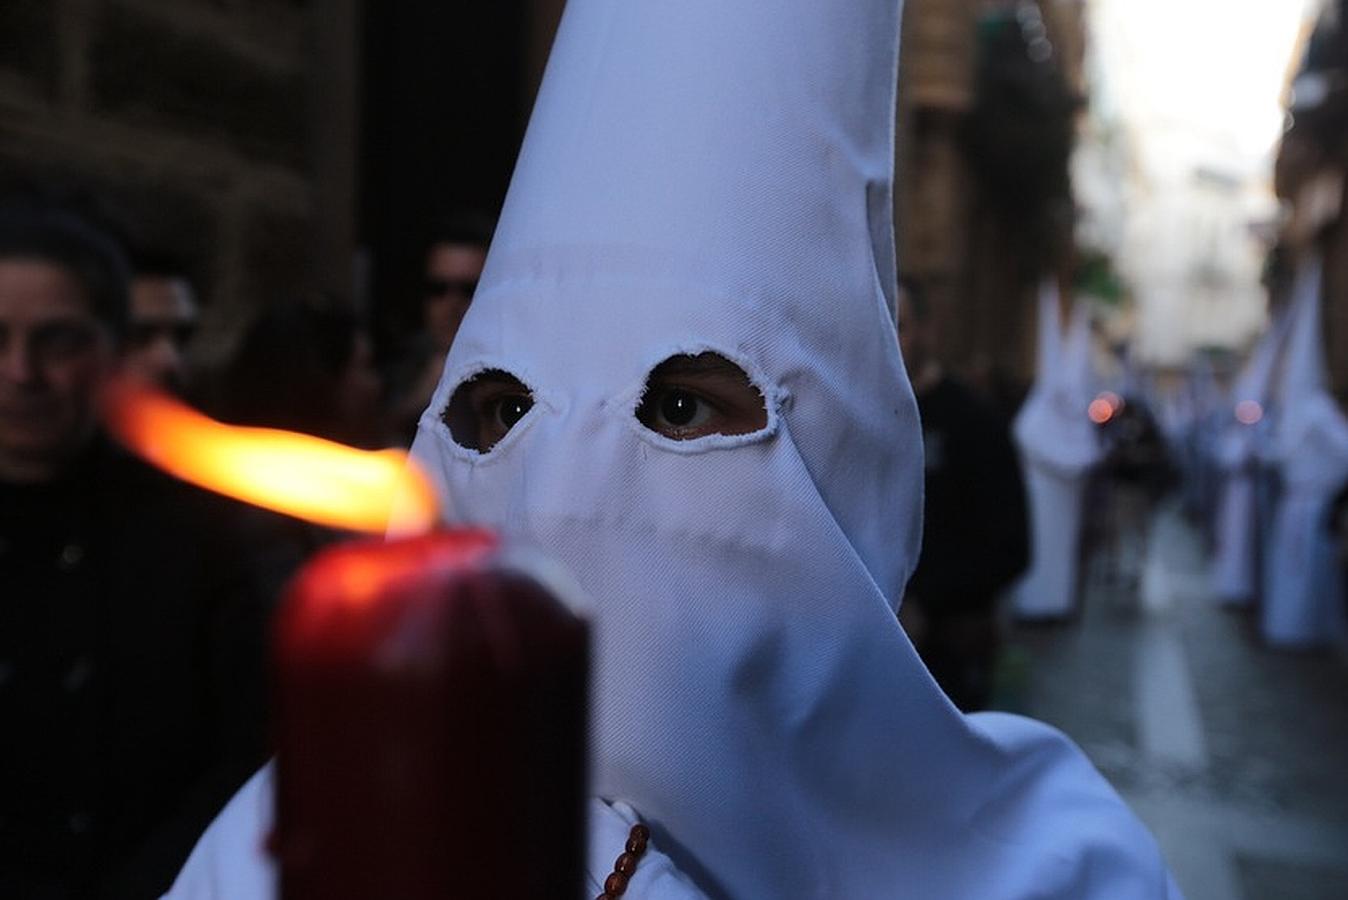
column 1235, row 756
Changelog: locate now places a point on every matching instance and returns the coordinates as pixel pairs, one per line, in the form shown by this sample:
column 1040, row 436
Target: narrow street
column 1230, row 753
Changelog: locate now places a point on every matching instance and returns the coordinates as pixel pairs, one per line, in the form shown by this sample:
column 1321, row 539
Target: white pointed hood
column 717, row 188
column 715, row 175
column 1236, row 443
column 1052, row 428
column 1312, row 432
column 1302, row 591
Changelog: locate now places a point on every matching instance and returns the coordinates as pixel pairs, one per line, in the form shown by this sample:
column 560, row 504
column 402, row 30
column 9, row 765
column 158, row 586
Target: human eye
column 498, row 409
column 676, row 412
column 485, row 408
column 689, row 397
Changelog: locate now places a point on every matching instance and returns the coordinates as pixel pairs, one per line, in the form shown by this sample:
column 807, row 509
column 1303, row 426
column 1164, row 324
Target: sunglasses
column 142, row 334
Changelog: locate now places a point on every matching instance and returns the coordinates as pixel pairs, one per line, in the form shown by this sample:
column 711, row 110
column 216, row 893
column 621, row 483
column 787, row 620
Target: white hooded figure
column 709, row 182
column 1303, row 589
column 1234, row 570
column 1058, row 448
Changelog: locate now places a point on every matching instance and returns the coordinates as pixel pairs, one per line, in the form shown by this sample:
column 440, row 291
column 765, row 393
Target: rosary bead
column 616, row 884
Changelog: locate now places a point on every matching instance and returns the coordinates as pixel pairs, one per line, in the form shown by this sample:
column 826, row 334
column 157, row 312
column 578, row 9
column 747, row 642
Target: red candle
column 430, row 694
column 430, row 726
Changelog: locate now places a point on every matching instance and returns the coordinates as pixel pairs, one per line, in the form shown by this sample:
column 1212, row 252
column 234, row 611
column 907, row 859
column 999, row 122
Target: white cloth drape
column 1303, row 590
column 1234, row 570
column 1058, row 448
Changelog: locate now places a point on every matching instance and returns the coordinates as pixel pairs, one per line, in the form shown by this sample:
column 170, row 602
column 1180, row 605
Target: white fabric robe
column 1058, row 448
column 1303, row 591
column 231, row 861
column 1234, row 569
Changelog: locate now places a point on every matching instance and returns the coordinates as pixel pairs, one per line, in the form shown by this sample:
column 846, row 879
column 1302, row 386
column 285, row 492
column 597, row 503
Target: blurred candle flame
column 1104, row 407
column 296, row 474
column 1249, row 412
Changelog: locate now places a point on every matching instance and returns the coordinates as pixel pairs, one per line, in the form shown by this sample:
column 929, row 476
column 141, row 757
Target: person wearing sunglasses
column 454, row 259
column 163, row 320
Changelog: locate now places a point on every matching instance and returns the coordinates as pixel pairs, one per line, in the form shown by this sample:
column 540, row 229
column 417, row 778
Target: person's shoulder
column 1072, row 829
column 231, row 860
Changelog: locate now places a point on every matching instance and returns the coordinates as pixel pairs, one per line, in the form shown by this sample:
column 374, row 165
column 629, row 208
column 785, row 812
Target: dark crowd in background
column 133, row 632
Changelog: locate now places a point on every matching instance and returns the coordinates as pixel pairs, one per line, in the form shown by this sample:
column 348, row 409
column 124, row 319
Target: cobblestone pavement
column 1235, row 756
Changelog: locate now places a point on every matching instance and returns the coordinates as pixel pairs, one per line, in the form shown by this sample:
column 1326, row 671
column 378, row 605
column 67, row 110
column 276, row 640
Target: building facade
column 989, row 93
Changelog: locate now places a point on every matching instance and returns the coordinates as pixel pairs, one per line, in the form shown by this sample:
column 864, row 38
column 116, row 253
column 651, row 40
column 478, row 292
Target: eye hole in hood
column 484, row 408
column 688, row 397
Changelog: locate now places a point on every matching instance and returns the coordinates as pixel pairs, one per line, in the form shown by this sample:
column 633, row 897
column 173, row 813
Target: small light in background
column 1249, row 412
column 1104, row 407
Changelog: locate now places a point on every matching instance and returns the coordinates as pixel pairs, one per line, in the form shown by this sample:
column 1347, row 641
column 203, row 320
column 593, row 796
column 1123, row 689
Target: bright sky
column 1194, row 85
column 1215, row 68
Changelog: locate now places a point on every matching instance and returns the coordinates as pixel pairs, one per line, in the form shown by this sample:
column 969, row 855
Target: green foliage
column 1096, row 276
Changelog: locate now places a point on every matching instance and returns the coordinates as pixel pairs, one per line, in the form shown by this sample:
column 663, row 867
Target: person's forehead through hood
column 715, row 176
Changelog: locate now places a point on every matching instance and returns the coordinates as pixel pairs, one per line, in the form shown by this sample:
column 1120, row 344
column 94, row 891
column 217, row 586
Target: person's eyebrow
column 701, row 364
column 492, row 377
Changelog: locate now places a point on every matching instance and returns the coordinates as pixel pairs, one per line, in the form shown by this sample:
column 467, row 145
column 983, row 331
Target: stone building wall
column 192, row 120
column 979, row 284
column 1311, row 176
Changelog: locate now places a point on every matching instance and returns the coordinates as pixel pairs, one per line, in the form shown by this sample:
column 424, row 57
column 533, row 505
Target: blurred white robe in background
column 1059, row 446
column 1303, row 588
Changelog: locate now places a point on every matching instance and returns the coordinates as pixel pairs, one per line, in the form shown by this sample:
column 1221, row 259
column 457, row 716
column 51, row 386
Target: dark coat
column 132, row 679
column 975, row 535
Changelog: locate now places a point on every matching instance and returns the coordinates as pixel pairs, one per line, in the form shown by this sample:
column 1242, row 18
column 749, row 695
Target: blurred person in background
column 1137, row 472
column 132, row 628
column 163, row 319
column 975, row 536
column 305, row 367
column 454, row 260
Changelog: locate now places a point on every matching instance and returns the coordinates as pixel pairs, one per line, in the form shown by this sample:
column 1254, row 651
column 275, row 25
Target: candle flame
column 1100, row 411
column 1104, row 407
column 296, row 474
column 1249, row 412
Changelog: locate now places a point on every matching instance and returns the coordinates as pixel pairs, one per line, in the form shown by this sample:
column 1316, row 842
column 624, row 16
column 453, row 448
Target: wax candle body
column 431, row 705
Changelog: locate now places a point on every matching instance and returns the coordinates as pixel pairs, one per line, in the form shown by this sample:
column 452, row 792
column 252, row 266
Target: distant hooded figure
column 1245, row 425
column 1302, row 601
column 679, row 379
column 1059, row 446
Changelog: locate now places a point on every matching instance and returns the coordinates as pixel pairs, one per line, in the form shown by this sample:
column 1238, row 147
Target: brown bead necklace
column 616, row 884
